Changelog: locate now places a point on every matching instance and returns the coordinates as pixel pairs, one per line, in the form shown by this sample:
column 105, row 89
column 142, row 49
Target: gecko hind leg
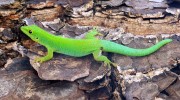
column 92, row 33
column 99, row 57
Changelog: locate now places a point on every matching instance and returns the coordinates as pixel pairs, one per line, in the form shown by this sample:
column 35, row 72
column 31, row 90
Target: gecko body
column 82, row 47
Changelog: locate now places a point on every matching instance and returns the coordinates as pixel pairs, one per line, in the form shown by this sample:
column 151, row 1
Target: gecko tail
column 109, row 46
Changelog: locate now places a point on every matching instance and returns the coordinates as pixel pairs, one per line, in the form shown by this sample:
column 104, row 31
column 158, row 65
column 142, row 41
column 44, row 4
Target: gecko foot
column 109, row 63
column 38, row 59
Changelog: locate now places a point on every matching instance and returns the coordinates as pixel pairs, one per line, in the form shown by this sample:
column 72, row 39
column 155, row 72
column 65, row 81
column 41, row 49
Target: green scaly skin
column 83, row 47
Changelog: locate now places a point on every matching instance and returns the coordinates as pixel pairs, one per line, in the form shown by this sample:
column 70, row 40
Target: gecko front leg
column 45, row 58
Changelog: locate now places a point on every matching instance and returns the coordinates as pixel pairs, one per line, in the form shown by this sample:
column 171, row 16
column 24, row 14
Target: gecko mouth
column 24, row 29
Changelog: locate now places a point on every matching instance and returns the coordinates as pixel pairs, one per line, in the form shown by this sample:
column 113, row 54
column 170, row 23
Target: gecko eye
column 30, row 31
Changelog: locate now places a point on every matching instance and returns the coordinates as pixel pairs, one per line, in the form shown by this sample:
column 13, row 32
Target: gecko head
column 31, row 31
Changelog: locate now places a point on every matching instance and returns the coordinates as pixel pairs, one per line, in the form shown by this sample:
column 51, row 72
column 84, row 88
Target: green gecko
column 82, row 47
